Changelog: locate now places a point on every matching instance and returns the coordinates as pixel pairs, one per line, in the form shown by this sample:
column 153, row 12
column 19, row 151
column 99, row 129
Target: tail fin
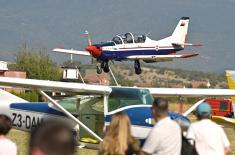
column 230, row 78
column 231, row 81
column 180, row 33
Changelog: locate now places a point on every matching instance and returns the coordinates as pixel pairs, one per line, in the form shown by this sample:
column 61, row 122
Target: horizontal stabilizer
column 85, row 53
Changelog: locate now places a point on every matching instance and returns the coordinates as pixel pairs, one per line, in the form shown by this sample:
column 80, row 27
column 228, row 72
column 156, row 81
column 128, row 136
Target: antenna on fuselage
column 88, row 37
column 147, row 34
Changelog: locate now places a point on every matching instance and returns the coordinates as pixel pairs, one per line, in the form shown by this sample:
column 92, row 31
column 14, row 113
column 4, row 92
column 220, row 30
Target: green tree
column 37, row 64
column 202, row 86
column 30, row 95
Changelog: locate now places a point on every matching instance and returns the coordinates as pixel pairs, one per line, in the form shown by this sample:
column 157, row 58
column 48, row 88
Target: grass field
column 21, row 138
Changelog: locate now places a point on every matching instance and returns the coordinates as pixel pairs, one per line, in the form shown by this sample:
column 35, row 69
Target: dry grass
column 21, row 139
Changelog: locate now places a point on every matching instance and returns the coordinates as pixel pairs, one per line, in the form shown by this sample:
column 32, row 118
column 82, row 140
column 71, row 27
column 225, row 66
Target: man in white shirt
column 7, row 147
column 209, row 137
column 165, row 137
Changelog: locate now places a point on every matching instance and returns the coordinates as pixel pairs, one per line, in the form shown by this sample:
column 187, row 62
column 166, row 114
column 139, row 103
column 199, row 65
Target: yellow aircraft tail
column 231, row 81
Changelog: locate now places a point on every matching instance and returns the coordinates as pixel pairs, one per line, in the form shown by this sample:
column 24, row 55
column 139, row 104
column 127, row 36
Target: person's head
column 5, row 124
column 118, row 135
column 159, row 108
column 52, row 138
column 203, row 111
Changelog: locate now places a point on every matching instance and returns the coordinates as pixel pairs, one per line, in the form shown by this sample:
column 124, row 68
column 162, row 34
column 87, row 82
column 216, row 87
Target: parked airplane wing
column 224, row 121
column 85, row 53
column 98, row 89
column 156, row 57
column 191, row 92
column 55, row 85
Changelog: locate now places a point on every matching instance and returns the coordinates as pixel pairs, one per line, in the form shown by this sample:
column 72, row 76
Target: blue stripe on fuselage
column 41, row 107
column 122, row 55
column 138, row 116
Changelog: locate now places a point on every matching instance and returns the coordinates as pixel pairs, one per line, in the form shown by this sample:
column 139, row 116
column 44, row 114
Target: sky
column 61, row 23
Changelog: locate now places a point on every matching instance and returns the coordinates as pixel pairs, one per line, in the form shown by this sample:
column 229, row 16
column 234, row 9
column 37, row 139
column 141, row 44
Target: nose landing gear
column 137, row 67
column 103, row 66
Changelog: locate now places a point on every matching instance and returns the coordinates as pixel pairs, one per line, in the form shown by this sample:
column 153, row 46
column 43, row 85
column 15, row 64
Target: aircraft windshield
column 121, row 97
column 129, row 38
column 139, row 38
column 117, row 40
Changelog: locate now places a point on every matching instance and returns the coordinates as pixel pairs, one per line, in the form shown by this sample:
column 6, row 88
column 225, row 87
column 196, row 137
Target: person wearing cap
column 209, row 137
column 165, row 136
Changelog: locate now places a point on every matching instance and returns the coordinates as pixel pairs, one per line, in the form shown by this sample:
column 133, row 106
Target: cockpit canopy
column 129, row 38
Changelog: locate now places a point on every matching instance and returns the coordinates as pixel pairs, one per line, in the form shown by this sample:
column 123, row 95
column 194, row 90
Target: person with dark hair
column 209, row 137
column 165, row 137
column 52, row 138
column 7, row 147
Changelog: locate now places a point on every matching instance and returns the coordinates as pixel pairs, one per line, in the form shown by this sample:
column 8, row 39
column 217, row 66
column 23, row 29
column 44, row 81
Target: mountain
column 61, row 23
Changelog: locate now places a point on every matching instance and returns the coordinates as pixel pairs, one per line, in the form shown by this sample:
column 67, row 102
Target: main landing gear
column 137, row 67
column 103, row 66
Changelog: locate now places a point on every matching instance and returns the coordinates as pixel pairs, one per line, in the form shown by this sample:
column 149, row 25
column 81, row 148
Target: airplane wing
column 85, row 53
column 224, row 121
column 191, row 92
column 157, row 57
column 186, row 44
column 99, row 89
column 55, row 85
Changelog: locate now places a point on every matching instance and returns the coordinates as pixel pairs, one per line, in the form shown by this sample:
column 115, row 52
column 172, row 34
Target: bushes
column 31, row 96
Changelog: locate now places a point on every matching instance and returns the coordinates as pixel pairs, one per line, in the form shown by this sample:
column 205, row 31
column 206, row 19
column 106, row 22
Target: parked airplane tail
column 230, row 78
column 180, row 33
column 231, row 81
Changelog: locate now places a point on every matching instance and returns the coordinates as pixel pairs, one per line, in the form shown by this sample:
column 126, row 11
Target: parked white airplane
column 95, row 112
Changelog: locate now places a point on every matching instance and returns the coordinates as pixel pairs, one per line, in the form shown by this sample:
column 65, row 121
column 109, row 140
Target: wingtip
column 189, row 55
column 198, row 45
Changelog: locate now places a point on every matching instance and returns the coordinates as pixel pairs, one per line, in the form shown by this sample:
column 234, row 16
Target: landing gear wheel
column 106, row 67
column 102, row 64
column 98, row 69
column 137, row 67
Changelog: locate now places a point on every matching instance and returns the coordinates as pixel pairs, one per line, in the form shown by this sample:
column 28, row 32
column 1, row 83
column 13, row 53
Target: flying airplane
column 135, row 47
column 95, row 111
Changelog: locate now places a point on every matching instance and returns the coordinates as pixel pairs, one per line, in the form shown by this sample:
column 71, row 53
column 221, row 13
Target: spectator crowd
column 204, row 137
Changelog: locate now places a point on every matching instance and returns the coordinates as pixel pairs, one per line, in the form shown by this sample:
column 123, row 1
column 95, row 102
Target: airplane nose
column 94, row 50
